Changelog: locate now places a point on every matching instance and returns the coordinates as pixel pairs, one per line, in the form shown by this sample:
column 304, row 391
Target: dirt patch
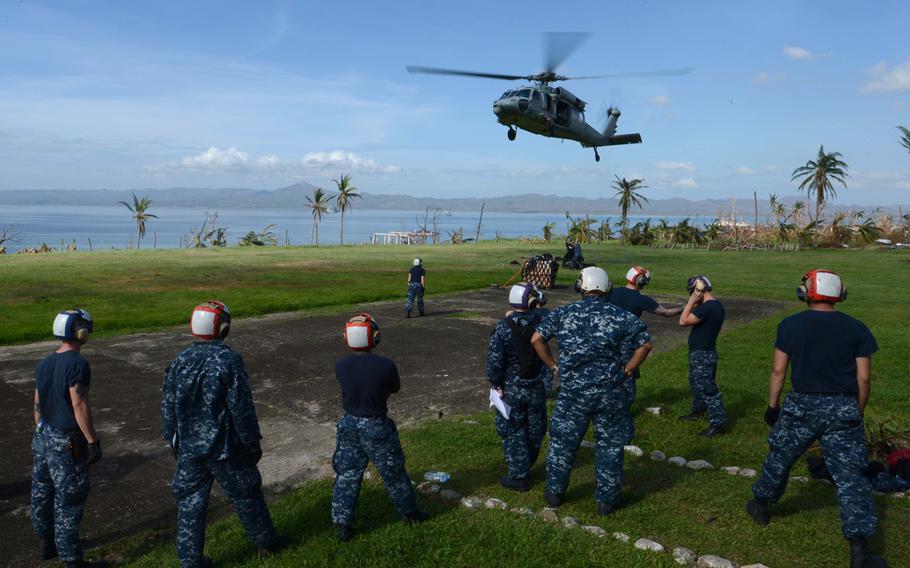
column 290, row 358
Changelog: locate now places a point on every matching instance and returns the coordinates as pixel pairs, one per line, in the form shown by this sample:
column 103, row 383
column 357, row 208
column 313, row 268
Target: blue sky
column 239, row 94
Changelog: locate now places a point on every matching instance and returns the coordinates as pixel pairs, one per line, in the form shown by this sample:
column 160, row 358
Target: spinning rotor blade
column 558, row 46
column 658, row 73
column 437, row 71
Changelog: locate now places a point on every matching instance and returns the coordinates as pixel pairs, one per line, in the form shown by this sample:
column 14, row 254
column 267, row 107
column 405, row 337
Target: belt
column 827, row 394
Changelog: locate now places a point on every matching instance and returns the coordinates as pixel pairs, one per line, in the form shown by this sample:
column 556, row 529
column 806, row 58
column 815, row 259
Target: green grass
column 677, row 507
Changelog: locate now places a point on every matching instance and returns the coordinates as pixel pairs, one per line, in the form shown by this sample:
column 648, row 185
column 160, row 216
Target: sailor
column 65, row 442
column 417, row 283
column 705, row 315
column 208, row 418
column 830, row 358
column 591, row 334
column 516, row 372
column 365, row 433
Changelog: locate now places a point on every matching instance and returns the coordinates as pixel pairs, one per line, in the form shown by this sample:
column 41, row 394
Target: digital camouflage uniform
column 703, row 384
column 207, row 404
column 358, row 441
column 591, row 334
column 838, row 423
column 415, row 290
column 60, row 487
column 522, row 433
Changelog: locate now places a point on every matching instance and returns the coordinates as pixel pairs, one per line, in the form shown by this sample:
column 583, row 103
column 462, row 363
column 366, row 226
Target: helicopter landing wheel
column 511, row 134
column 596, row 155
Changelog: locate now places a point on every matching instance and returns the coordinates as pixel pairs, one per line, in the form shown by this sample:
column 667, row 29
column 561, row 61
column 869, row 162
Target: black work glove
column 771, row 415
column 255, row 454
column 94, row 452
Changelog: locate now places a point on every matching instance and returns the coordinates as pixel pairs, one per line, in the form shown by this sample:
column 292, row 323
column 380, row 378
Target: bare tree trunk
column 342, row 226
column 477, row 235
column 755, row 197
column 154, row 239
column 90, row 244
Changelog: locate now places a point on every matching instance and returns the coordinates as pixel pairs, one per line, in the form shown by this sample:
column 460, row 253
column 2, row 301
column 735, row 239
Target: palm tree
column 797, row 212
column 139, row 209
column 905, row 139
column 319, row 206
column 817, row 174
column 346, row 192
column 628, row 196
column 548, row 231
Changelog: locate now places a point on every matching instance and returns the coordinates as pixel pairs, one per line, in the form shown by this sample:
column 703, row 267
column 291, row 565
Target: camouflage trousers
column 630, row 390
column 572, row 413
column 60, row 487
column 415, row 290
column 523, row 432
column 240, row 480
column 703, row 384
column 837, row 422
column 358, row 441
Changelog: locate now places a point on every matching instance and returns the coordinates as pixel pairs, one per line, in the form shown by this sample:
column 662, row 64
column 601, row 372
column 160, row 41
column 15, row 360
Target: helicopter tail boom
column 634, row 138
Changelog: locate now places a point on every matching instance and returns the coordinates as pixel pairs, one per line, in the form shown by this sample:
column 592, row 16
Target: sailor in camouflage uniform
column 517, row 373
column 830, row 357
column 365, row 433
column 591, row 334
column 208, row 417
column 65, row 442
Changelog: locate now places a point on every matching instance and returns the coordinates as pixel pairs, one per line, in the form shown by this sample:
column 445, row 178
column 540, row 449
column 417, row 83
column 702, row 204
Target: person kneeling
column 365, row 433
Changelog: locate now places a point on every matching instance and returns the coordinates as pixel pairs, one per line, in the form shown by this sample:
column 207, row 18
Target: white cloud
column 761, row 78
column 675, row 166
column 745, row 171
column 348, row 161
column 268, row 162
column 215, row 159
column 660, row 100
column 798, row 53
column 685, row 183
column 884, row 79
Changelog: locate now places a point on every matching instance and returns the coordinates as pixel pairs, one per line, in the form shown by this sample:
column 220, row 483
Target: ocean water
column 111, row 226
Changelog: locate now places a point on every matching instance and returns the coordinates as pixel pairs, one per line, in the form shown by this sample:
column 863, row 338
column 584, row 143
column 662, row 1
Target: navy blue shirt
column 54, row 377
column 415, row 274
column 366, row 382
column 823, row 347
column 703, row 336
column 632, row 301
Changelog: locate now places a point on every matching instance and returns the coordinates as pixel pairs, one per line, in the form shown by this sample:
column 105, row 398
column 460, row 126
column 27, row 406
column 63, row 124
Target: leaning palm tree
column 319, row 206
column 626, row 191
column 139, row 209
column 797, row 213
column 905, row 139
column 817, row 174
column 346, row 192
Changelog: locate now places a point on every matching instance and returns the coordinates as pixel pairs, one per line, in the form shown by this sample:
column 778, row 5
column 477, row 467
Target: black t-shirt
column 632, row 301
column 54, row 376
column 366, row 382
column 416, row 273
column 710, row 319
column 823, row 347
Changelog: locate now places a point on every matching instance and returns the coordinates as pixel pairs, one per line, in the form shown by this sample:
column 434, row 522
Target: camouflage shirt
column 207, row 403
column 593, row 335
column 502, row 360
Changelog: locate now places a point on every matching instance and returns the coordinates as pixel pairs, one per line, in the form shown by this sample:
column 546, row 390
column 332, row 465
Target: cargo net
column 540, row 270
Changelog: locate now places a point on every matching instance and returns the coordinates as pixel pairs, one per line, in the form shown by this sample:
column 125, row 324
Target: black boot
column 279, row 543
column 520, row 485
column 416, row 516
column 48, row 549
column 552, row 499
column 604, row 509
column 344, row 532
column 758, row 510
column 692, row 416
column 860, row 557
column 711, row 432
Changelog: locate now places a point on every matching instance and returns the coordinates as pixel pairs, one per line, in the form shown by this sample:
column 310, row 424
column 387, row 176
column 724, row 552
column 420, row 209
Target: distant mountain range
column 294, row 196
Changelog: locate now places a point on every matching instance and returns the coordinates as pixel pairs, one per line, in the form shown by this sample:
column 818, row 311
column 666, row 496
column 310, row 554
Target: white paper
column 499, row 404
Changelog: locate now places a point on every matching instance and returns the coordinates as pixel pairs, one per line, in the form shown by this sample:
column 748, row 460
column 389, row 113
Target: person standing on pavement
column 417, row 283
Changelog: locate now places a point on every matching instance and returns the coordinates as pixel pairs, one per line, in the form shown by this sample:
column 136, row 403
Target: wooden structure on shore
column 404, row 238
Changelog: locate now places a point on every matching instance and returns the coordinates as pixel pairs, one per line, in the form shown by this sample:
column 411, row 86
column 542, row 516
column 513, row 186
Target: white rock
column 800, row 479
column 496, row 504
column 588, row 444
column 648, row 544
column 656, row 410
column 634, row 450
column 754, row 566
column 595, row 530
column 711, row 561
column 368, row 474
column 699, row 464
column 899, row 494
column 684, row 556
column 427, row 488
column 468, row 502
column 732, row 470
column 471, row 422
column 677, row 460
column 548, row 515
column 570, row 522
column 522, row 511
column 621, row 536
column 658, row 456
column 747, row 472
column 450, row 494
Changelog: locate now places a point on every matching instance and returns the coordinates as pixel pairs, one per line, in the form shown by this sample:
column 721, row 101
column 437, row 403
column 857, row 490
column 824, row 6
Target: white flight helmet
column 593, row 279
column 418, row 261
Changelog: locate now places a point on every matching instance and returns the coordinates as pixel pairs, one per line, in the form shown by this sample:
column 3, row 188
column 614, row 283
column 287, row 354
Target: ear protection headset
column 361, row 333
column 698, row 282
column 211, row 320
column 820, row 285
column 638, row 276
column 73, row 325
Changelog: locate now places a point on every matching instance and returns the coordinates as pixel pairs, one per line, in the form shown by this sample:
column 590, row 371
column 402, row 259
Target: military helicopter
column 555, row 112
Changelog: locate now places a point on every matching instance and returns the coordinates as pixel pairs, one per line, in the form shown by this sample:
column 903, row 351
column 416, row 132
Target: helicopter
column 554, row 112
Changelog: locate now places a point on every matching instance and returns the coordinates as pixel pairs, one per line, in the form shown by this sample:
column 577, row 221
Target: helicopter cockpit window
column 535, row 96
column 505, row 95
column 524, row 93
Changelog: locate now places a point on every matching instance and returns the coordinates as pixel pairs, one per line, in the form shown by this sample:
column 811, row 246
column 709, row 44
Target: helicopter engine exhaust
column 612, row 118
